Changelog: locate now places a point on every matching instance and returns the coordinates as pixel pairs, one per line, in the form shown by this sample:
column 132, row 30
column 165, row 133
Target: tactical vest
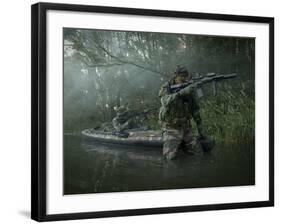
column 174, row 110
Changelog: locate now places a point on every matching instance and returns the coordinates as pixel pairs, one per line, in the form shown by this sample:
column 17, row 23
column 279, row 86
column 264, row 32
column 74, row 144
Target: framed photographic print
column 140, row 111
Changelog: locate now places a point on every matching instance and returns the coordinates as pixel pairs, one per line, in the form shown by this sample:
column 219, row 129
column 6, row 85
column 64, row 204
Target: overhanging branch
column 130, row 62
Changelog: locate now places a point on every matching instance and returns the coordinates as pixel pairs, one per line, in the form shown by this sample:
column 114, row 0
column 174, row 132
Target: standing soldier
column 175, row 114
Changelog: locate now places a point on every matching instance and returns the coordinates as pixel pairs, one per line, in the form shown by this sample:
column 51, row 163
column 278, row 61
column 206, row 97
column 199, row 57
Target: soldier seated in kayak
column 177, row 110
column 125, row 119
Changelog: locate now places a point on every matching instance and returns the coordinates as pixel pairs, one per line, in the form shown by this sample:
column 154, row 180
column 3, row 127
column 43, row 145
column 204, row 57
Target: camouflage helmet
column 120, row 109
column 181, row 71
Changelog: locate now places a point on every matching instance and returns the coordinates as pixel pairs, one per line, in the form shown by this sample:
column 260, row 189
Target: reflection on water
column 96, row 167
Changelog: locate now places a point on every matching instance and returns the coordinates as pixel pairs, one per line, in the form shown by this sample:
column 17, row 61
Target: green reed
column 230, row 116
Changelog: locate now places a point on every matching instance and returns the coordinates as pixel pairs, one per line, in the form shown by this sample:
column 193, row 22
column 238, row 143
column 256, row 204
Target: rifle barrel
column 203, row 79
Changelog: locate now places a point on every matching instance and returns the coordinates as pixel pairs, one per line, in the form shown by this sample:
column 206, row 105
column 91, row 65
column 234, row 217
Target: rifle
column 206, row 143
column 200, row 81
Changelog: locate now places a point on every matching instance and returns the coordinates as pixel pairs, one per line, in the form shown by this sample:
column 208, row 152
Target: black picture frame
column 39, row 106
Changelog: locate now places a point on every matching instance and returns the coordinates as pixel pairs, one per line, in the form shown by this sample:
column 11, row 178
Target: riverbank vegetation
column 104, row 69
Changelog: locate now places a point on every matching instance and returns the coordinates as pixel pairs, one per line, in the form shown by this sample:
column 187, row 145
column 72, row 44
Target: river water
column 96, row 168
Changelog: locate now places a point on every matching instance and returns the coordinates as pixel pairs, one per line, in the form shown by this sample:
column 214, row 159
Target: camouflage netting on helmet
column 181, row 70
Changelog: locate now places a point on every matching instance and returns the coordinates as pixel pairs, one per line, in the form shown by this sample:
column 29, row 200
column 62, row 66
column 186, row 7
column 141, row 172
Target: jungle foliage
column 103, row 69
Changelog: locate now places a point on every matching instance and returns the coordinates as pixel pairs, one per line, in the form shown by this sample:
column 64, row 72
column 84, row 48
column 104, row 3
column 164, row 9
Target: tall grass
column 230, row 116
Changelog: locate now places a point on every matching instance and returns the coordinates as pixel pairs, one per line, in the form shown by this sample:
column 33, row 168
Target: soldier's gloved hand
column 187, row 90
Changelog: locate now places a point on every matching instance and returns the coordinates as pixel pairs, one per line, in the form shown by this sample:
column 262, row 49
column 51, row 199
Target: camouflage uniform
column 175, row 113
column 124, row 119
